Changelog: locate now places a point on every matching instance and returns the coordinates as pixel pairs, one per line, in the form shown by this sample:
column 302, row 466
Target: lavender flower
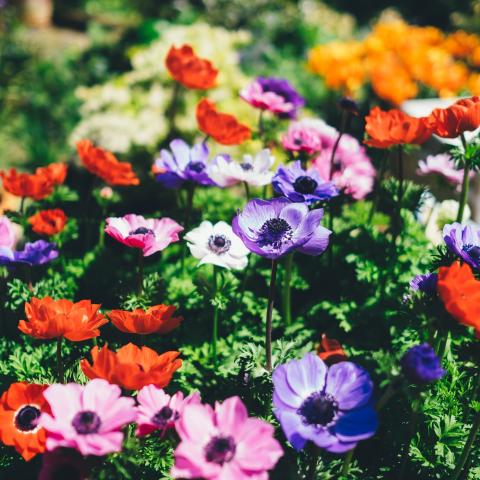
column 301, row 185
column 36, row 253
column 272, row 228
column 329, row 406
column 421, row 365
column 426, row 283
column 463, row 241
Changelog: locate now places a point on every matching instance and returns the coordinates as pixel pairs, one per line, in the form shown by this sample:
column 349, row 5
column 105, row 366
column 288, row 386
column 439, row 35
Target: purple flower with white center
column 183, row 163
column 36, row 253
column 273, row 228
column 463, row 241
column 300, row 185
column 426, row 283
column 421, row 365
column 330, row 406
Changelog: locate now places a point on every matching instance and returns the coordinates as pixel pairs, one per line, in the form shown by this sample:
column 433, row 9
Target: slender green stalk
column 312, row 468
column 465, row 184
column 398, row 214
column 215, row 316
column 261, row 129
column 22, row 206
column 388, row 394
column 287, row 289
column 172, row 109
column 343, row 128
column 381, row 174
column 140, row 272
column 347, row 462
column 268, row 329
column 247, row 191
column 186, row 221
column 61, row 374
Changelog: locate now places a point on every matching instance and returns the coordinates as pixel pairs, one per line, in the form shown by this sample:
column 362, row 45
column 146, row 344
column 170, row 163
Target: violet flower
column 300, row 185
column 463, row 241
column 426, row 283
column 36, row 253
column 330, row 406
column 421, row 365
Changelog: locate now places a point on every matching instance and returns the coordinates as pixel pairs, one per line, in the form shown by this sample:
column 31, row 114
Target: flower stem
column 215, row 316
column 268, row 330
column 140, row 273
column 381, row 174
column 465, row 184
column 347, row 462
column 61, row 374
column 22, row 206
column 343, row 127
column 312, row 468
column 398, row 214
column 171, row 112
column 261, row 130
column 287, row 289
column 247, row 190
column 186, row 221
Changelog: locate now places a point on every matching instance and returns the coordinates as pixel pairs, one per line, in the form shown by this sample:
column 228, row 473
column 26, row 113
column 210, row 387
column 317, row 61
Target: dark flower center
column 197, row 167
column 220, row 450
column 27, row 417
column 473, row 252
column 318, row 409
column 142, row 231
column 305, row 184
column 163, row 416
column 219, row 244
column 298, row 141
column 274, row 232
column 246, row 166
column 86, row 422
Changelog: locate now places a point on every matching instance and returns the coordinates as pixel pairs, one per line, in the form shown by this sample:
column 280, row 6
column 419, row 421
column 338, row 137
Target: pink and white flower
column 151, row 235
column 265, row 100
column 159, row 411
column 444, row 165
column 87, row 418
column 8, row 233
column 224, row 444
column 309, row 135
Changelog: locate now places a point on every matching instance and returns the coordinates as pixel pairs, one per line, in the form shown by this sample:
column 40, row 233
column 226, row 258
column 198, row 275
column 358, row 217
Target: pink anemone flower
column 151, row 235
column 224, row 444
column 87, row 418
column 444, row 165
column 159, row 411
column 265, row 100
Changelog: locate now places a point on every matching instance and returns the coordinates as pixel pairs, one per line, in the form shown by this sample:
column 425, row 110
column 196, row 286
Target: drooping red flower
column 222, row 127
column 48, row 222
column 331, row 351
column 189, row 70
column 30, row 185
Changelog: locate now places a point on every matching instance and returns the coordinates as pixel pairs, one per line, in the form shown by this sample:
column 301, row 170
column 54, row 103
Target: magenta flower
column 444, row 165
column 309, row 135
column 8, row 233
column 149, row 234
column 224, row 443
column 87, row 418
column 159, row 411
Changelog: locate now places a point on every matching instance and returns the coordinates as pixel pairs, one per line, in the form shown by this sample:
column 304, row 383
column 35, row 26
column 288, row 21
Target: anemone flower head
column 8, row 233
column 273, row 228
column 224, row 443
column 300, row 185
column 158, row 410
column 151, row 235
column 463, row 241
column 253, row 170
column 330, row 406
column 88, row 418
column 421, row 365
column 183, row 163
column 426, row 283
column 34, row 253
column 217, row 244
column 444, row 165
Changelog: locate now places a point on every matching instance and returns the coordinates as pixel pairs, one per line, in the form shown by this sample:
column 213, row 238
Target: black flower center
column 220, row 450
column 142, row 231
column 27, row 417
column 219, row 244
column 274, row 232
column 86, row 422
column 318, row 409
column 298, row 141
column 246, row 166
column 197, row 167
column 305, row 184
column 162, row 417
column 473, row 252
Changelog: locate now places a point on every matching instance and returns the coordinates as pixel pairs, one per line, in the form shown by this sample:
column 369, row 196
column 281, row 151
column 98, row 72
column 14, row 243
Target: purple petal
column 307, row 375
column 318, row 242
column 357, row 424
column 282, row 389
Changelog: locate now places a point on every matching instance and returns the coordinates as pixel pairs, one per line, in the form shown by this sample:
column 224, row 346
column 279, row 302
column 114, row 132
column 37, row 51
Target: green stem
column 261, row 130
column 61, row 374
column 171, row 112
column 381, row 173
column 347, row 462
column 247, row 190
column 343, row 127
column 140, row 272
column 388, row 394
column 398, row 214
column 22, row 206
column 215, row 316
column 465, row 184
column 186, row 221
column 287, row 289
column 312, row 469
column 268, row 327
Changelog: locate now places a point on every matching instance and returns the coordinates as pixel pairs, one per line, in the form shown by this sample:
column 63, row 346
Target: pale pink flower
column 309, row 135
column 149, row 234
column 8, row 233
column 224, row 444
column 444, row 165
column 87, row 418
column 265, row 100
column 106, row 192
column 159, row 411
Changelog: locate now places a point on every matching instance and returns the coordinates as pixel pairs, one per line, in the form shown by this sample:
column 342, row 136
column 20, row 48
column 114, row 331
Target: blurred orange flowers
column 222, row 127
column 48, row 222
column 20, row 409
column 331, row 351
column 48, row 318
column 56, row 172
column 31, row 185
column 460, row 294
column 395, row 127
column 132, row 367
column 157, row 319
column 105, row 165
column 189, row 70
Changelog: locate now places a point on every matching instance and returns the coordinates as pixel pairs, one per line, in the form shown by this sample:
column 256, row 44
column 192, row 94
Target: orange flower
column 56, row 172
column 105, row 165
column 222, row 127
column 48, row 318
column 189, row 70
column 156, row 319
column 48, row 222
column 132, row 367
column 460, row 294
column 34, row 185
column 462, row 116
column 20, row 409
column 394, row 127
column 331, row 351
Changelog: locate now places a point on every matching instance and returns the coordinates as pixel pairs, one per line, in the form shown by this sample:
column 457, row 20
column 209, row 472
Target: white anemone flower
column 255, row 171
column 218, row 245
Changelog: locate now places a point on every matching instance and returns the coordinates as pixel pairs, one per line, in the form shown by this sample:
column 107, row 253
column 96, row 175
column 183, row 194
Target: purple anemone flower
column 36, row 253
column 463, row 241
column 421, row 365
column 300, row 185
column 426, row 283
column 330, row 406
column 272, row 228
column 183, row 164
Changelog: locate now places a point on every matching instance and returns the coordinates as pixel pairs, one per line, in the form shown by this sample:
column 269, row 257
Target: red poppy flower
column 395, row 127
column 222, row 127
column 56, row 172
column 31, row 185
column 48, row 318
column 20, row 409
column 132, row 367
column 331, row 351
column 48, row 222
column 189, row 70
column 460, row 294
column 157, row 319
column 462, row 116
column 105, row 165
